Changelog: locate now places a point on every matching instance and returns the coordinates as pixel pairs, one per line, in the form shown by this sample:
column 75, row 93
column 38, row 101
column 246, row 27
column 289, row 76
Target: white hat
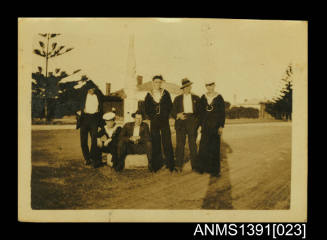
column 109, row 116
column 207, row 82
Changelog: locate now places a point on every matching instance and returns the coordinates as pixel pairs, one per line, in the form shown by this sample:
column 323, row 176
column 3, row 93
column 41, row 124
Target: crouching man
column 134, row 139
column 107, row 138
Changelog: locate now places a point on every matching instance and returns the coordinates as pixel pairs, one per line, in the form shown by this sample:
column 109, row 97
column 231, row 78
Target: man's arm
column 221, row 115
column 197, row 109
column 169, row 102
column 101, row 132
column 174, row 109
column 80, row 108
column 123, row 136
column 148, row 106
column 222, row 111
column 83, row 93
column 100, row 99
column 197, row 106
column 201, row 109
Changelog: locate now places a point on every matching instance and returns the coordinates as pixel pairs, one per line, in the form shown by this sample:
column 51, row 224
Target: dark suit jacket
column 178, row 107
column 128, row 129
column 97, row 92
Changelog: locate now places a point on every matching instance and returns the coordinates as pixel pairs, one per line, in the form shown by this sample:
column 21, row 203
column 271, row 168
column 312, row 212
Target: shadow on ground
column 60, row 180
column 219, row 194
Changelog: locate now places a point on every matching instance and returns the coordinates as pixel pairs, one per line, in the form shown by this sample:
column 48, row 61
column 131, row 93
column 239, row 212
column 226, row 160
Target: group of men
column 137, row 137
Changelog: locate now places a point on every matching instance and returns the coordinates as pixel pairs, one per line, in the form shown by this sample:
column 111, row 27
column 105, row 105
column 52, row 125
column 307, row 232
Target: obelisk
column 130, row 102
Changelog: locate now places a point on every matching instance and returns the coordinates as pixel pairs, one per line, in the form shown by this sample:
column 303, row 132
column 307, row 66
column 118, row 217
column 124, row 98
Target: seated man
column 134, row 139
column 107, row 138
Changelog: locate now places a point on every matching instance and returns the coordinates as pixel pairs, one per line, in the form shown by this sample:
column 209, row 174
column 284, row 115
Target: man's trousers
column 160, row 134
column 186, row 127
column 89, row 125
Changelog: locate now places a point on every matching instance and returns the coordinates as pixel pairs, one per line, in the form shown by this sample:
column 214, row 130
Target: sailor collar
column 214, row 96
column 210, row 107
column 112, row 129
column 162, row 93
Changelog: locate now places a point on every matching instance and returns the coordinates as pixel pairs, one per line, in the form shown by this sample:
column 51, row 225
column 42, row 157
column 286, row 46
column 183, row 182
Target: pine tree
column 46, row 85
column 281, row 107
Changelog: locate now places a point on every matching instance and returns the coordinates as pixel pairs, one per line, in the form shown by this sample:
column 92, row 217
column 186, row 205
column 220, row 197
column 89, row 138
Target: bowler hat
column 186, row 83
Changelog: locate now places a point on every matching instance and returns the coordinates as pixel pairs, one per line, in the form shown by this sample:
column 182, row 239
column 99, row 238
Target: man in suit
column 89, row 120
column 134, row 139
column 158, row 106
column 186, row 113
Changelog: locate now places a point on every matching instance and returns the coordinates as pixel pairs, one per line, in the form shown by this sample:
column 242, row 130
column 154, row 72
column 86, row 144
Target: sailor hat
column 109, row 116
column 209, row 82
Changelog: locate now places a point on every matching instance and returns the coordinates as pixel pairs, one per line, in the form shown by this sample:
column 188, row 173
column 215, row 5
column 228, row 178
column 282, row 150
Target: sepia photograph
column 162, row 120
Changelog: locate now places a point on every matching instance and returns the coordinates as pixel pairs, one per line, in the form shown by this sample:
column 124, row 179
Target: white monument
column 130, row 102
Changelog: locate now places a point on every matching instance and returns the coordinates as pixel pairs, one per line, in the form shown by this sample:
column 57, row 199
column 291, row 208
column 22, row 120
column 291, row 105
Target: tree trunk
column 46, row 109
column 46, row 76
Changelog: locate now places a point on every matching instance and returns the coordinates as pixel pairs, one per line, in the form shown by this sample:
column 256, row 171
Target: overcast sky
column 245, row 57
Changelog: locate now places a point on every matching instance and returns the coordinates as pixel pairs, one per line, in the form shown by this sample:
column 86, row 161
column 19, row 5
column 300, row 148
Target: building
column 247, row 103
column 113, row 101
column 259, row 104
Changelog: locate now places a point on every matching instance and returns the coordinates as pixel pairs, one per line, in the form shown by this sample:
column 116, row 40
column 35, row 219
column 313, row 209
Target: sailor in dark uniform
column 212, row 117
column 158, row 106
column 108, row 137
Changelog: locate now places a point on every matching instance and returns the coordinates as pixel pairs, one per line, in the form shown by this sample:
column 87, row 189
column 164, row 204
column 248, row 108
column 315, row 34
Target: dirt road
column 256, row 170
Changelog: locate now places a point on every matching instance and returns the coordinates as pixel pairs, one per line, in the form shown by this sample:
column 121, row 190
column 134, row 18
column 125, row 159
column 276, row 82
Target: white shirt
column 187, row 103
column 136, row 132
column 91, row 104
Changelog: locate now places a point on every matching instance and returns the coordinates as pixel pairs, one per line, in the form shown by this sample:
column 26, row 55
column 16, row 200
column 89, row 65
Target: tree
column 281, row 106
column 70, row 97
column 47, row 86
